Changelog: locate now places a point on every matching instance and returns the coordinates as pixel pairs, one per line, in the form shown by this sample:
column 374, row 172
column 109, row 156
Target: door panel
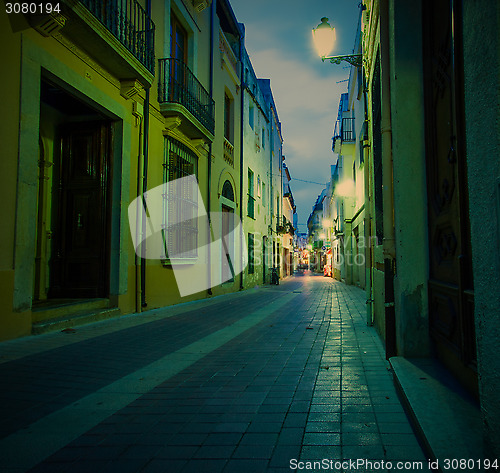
column 80, row 261
column 264, row 256
column 451, row 295
column 227, row 243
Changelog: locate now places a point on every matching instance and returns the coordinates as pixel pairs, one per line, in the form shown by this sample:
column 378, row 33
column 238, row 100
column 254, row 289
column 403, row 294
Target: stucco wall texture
column 482, row 106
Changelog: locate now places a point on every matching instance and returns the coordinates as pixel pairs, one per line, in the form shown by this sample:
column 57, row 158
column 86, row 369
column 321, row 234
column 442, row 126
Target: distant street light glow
column 346, row 188
column 327, row 223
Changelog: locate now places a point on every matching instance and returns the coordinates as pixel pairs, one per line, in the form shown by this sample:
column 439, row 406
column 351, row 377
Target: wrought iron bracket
column 353, row 59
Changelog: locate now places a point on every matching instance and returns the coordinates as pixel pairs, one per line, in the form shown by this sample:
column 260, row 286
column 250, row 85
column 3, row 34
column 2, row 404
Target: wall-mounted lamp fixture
column 324, row 39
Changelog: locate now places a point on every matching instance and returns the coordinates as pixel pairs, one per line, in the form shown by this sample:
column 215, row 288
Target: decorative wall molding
column 130, row 88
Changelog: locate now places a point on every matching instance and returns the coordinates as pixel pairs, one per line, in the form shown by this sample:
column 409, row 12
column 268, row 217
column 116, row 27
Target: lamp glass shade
column 324, row 37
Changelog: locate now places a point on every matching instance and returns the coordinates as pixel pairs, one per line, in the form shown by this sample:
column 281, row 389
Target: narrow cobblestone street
column 264, row 380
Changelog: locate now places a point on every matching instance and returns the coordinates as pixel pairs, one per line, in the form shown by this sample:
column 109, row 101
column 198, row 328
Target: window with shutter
column 182, row 208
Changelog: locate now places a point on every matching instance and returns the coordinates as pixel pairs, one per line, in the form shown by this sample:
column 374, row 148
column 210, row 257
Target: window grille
column 251, row 260
column 180, row 230
column 251, row 199
column 377, row 151
column 227, row 191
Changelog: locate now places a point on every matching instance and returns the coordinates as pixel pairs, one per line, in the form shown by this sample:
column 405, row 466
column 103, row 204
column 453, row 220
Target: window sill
column 179, row 262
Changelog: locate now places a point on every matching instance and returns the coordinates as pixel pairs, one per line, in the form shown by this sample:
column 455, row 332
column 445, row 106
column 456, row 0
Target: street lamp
column 324, row 38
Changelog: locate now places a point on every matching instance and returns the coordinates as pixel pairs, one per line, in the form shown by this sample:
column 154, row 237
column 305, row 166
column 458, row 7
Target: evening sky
column 306, row 91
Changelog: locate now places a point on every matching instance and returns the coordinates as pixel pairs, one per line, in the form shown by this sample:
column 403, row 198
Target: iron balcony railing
column 344, row 130
column 280, row 224
column 347, row 129
column 130, row 24
column 177, row 84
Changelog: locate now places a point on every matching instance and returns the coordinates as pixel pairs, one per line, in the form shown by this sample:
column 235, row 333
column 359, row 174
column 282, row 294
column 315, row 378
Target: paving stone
column 315, row 452
column 177, row 452
column 202, row 465
column 259, row 439
column 291, row 436
column 373, row 452
column 265, row 427
column 215, row 451
column 405, row 453
column 360, row 427
column 332, row 425
column 321, row 438
column 399, row 439
column 295, row 420
column 223, row 439
column 116, row 466
column 245, row 466
column 254, row 451
column 360, row 438
column 140, row 451
column 162, row 466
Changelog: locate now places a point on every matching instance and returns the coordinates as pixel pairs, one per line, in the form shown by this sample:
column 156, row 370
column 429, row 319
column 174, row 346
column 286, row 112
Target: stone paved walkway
column 267, row 380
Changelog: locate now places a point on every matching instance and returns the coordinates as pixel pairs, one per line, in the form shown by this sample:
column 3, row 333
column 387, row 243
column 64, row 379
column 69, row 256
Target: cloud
column 307, row 104
column 295, row 88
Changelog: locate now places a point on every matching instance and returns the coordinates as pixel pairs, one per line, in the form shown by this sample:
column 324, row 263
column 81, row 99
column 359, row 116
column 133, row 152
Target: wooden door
column 264, row 256
column 451, row 294
column 227, row 242
column 81, row 241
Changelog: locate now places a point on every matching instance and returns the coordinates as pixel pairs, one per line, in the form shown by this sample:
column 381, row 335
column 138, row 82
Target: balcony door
column 178, row 54
column 228, row 225
column 451, row 291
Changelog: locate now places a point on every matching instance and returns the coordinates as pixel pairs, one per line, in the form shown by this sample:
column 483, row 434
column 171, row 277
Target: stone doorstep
column 446, row 418
column 73, row 320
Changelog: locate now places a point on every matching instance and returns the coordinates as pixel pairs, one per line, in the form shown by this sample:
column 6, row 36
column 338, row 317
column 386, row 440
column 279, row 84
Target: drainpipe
column 145, row 166
column 368, row 249
column 271, row 187
column 242, row 106
column 387, row 180
column 280, row 211
column 144, row 190
column 138, row 262
column 209, row 173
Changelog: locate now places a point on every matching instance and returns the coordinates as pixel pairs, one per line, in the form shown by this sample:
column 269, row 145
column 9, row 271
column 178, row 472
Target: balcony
column 228, row 152
column 118, row 34
column 229, row 61
column 182, row 96
column 347, row 129
column 281, row 225
column 284, row 226
column 344, row 132
column 251, row 206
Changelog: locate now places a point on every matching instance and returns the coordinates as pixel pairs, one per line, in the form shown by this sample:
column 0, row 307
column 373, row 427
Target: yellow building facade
column 103, row 105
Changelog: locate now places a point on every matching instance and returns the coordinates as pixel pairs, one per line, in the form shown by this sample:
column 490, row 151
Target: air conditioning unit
column 200, row 5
